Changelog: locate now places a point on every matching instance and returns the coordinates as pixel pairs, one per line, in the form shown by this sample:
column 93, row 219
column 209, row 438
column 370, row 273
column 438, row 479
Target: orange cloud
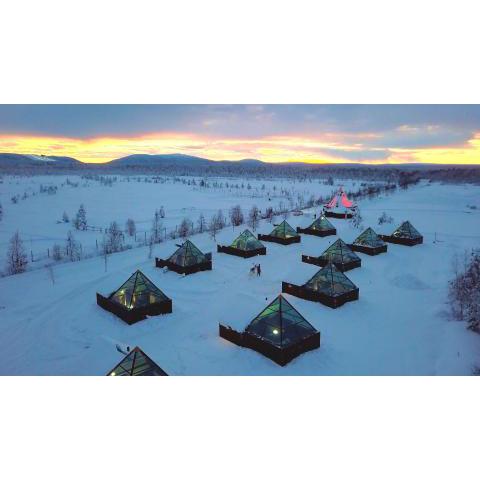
column 327, row 148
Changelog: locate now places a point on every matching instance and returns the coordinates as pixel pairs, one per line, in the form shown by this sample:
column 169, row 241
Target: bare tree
column 16, row 257
column 221, row 219
column 114, row 238
column 236, row 215
column 253, row 217
column 214, row 225
column 130, row 227
column 269, row 214
column 57, row 252
column 72, row 248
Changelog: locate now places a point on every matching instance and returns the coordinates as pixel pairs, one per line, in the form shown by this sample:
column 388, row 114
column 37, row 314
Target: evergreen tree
column 81, row 218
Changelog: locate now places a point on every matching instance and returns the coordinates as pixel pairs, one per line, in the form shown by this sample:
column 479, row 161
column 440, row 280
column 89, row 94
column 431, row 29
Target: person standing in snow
column 259, row 270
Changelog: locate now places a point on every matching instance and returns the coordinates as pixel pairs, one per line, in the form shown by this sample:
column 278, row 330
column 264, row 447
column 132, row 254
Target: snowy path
column 398, row 327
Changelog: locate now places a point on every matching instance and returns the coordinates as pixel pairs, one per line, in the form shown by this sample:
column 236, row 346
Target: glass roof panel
column 280, row 324
column 137, row 363
column 187, row 255
column 406, row 230
column 339, row 252
column 138, row 291
column 247, row 241
column 321, row 223
column 369, row 238
column 330, row 281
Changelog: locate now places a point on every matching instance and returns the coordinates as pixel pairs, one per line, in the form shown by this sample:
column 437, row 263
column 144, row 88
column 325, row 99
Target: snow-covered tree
column 114, row 238
column 357, row 220
column 72, row 248
column 57, row 252
column 384, row 218
column 201, row 223
column 253, row 217
column 157, row 226
column 464, row 290
column 130, row 227
column 216, row 223
column 236, row 215
column 184, row 229
column 80, row 222
column 221, row 219
column 17, row 260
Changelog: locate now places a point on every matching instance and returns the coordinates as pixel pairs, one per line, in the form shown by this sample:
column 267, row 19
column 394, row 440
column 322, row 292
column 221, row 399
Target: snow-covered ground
column 37, row 217
column 399, row 326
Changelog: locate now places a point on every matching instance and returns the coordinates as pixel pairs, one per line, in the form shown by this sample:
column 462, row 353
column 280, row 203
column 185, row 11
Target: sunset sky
column 273, row 133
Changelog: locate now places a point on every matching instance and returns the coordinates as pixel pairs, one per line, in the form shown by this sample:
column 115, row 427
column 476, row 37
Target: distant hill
column 146, row 160
column 19, row 160
column 175, row 159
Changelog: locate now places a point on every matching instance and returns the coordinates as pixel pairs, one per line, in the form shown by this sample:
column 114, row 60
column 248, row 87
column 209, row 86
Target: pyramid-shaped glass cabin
column 279, row 332
column 246, row 245
column 329, row 286
column 405, row 234
column 369, row 242
column 283, row 233
column 136, row 299
column 321, row 227
column 137, row 363
column 338, row 253
column 186, row 259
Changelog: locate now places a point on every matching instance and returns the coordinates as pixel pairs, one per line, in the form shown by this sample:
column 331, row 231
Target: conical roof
column 368, row 238
column 330, row 281
column 247, row 241
column 406, row 230
column 321, row 223
column 339, row 252
column 187, row 255
column 284, row 230
column 138, row 291
column 137, row 363
column 280, row 324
